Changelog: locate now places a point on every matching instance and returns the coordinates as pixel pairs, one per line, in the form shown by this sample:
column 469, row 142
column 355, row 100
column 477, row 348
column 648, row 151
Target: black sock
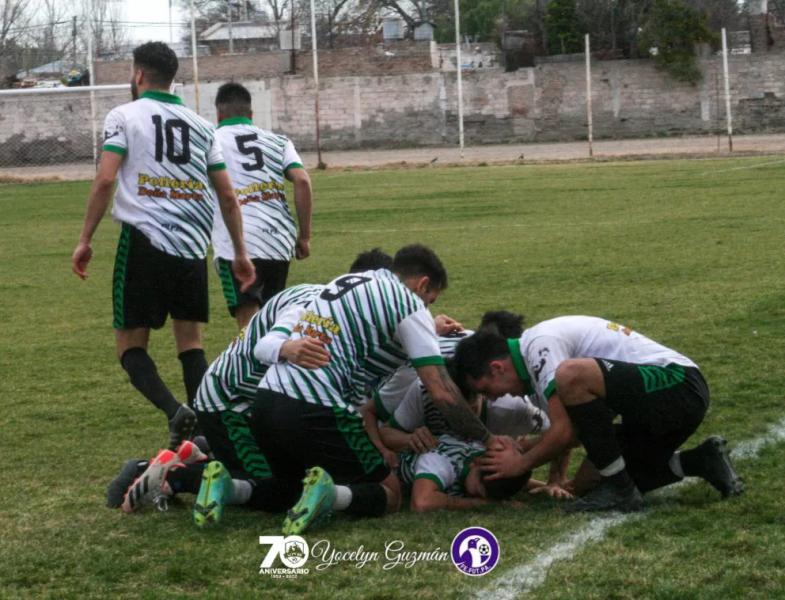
column 144, row 377
column 368, row 500
column 194, row 365
column 692, row 461
column 593, row 422
column 273, row 495
column 186, row 479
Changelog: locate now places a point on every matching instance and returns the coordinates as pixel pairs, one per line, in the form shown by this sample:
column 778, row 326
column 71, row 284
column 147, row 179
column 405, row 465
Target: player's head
column 452, row 371
column 421, row 271
column 233, row 100
column 496, row 489
column 502, row 322
column 484, row 364
column 371, row 260
column 154, row 67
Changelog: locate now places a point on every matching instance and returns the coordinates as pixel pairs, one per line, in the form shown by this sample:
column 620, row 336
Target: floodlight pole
column 195, row 61
column 460, row 75
column 315, row 54
column 588, row 96
column 728, row 114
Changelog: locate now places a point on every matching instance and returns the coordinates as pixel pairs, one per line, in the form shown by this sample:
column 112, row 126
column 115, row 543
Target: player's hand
column 502, row 463
column 445, row 325
column 306, row 352
column 244, row 271
column 422, row 441
column 302, row 248
column 79, row 259
column 554, row 490
column 390, row 458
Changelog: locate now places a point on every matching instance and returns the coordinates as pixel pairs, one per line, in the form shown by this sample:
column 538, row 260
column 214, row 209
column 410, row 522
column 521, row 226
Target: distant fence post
column 195, row 60
column 728, row 114
column 460, row 75
column 588, row 95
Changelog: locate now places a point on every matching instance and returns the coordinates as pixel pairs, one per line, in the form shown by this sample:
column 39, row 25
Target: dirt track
column 607, row 149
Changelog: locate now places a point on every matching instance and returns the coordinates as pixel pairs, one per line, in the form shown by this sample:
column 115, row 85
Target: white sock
column 241, row 491
column 615, row 467
column 675, row 464
column 343, row 497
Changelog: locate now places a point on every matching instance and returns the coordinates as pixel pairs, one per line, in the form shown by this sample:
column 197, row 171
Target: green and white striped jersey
column 391, row 391
column 447, row 465
column 257, row 160
column 234, row 376
column 163, row 185
column 372, row 324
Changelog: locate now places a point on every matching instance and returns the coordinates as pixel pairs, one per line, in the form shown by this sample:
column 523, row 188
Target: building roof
column 241, row 30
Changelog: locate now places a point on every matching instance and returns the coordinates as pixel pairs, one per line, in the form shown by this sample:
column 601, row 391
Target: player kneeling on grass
column 588, row 370
column 241, row 474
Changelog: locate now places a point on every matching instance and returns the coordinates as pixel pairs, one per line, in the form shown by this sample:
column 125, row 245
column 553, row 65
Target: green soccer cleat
column 315, row 505
column 213, row 494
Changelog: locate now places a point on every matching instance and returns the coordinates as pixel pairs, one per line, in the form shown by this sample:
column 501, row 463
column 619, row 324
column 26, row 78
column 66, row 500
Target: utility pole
column 73, row 42
column 231, row 37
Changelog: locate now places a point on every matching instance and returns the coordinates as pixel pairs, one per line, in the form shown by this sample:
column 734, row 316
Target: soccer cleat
column 129, row 472
column 315, row 504
column 151, row 486
column 202, row 443
column 607, row 496
column 717, row 468
column 213, row 494
column 182, row 426
column 189, row 453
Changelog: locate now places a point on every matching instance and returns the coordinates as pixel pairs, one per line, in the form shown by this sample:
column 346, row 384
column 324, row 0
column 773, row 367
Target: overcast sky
column 155, row 12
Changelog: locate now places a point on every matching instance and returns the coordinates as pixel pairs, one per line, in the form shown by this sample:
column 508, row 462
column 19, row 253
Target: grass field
column 688, row 252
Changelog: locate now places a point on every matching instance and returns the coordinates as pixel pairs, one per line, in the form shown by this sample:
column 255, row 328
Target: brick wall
column 543, row 103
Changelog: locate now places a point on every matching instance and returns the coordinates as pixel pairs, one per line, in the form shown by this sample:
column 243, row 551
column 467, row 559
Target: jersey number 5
column 168, row 128
column 255, row 151
column 343, row 286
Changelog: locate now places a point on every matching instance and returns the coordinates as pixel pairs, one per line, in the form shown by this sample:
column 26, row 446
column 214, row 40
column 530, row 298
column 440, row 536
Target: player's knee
column 392, row 488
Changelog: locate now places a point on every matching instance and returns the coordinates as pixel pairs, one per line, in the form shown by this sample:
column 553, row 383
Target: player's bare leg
column 244, row 312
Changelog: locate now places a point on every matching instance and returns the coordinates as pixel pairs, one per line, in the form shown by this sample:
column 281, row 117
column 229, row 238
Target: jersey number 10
column 168, row 128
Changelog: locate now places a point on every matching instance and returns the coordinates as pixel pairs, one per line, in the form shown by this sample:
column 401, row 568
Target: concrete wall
column 543, row 103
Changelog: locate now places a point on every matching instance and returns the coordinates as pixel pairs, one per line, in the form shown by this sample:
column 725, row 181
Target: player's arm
column 427, row 496
column 97, row 203
column 276, row 346
column 507, row 459
column 371, row 425
column 230, row 211
column 449, row 400
column 303, row 204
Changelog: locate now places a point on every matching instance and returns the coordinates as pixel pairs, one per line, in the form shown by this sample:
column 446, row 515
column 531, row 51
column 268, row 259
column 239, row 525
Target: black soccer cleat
column 607, row 497
column 717, row 469
column 182, row 426
column 129, row 472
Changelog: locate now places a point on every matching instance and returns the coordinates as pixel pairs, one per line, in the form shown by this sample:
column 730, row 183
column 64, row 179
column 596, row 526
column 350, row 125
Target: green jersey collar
column 520, row 368
column 235, row 121
column 162, row 97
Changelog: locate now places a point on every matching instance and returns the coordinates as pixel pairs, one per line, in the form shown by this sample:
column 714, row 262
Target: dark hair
column 501, row 489
column 452, row 371
column 506, row 324
column 158, row 61
column 417, row 260
column 233, row 100
column 370, row 260
column 475, row 352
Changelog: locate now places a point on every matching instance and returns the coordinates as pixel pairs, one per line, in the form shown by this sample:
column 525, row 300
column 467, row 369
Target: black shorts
column 150, row 284
column 231, row 442
column 270, row 279
column 660, row 408
column 295, row 435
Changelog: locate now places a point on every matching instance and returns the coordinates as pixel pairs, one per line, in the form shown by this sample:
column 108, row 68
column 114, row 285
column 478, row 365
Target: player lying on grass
column 372, row 323
column 449, row 477
column 588, row 370
column 388, row 395
column 222, row 405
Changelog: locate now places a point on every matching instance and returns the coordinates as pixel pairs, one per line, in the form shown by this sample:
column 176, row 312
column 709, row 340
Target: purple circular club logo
column 475, row 551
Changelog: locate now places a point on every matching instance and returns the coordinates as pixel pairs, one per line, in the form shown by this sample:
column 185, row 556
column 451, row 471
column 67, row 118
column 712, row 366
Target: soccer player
column 371, row 323
column 587, row 370
column 449, row 477
column 258, row 161
column 169, row 166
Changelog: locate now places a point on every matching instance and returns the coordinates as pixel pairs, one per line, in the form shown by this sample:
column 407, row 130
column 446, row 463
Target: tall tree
column 565, row 30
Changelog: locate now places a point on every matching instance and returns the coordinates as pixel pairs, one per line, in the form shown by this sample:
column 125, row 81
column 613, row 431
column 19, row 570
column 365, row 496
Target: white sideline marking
column 743, row 168
column 529, row 576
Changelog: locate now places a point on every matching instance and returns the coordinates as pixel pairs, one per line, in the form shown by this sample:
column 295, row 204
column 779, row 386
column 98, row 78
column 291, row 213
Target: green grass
column 688, row 252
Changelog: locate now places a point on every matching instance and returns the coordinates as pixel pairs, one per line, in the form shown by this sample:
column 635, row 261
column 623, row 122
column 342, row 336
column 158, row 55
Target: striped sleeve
column 115, row 139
